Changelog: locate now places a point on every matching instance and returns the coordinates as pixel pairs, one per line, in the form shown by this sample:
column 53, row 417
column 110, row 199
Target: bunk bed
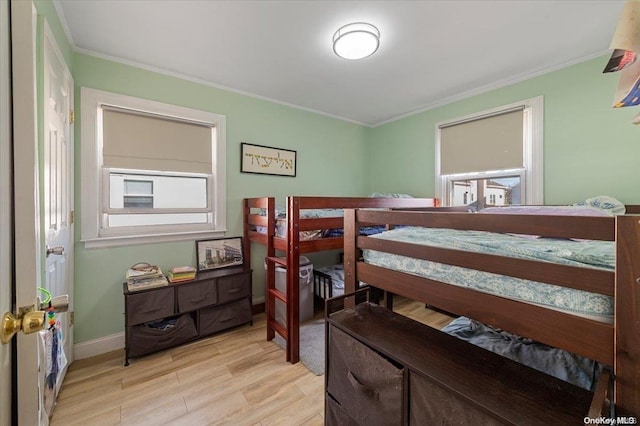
column 614, row 343
column 289, row 235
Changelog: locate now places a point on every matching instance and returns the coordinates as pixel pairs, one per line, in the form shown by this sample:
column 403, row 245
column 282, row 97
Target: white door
column 58, row 209
column 28, row 246
column 6, row 275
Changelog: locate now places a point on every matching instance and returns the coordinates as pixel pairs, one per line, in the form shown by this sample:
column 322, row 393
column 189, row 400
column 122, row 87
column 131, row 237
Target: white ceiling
column 431, row 52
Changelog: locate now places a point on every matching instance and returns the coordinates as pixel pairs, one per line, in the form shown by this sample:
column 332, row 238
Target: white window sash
column 149, row 230
column 106, row 191
column 448, row 180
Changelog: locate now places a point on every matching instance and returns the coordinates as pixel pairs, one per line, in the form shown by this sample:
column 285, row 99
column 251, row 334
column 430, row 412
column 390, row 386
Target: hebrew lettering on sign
column 266, row 160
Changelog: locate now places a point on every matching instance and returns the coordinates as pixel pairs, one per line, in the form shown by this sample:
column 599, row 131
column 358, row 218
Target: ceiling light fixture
column 356, row 41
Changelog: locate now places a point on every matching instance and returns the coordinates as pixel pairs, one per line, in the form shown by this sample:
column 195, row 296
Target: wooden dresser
column 385, row 369
column 214, row 301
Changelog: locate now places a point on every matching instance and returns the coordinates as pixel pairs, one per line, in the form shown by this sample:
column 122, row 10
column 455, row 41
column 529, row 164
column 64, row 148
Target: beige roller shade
column 491, row 143
column 137, row 141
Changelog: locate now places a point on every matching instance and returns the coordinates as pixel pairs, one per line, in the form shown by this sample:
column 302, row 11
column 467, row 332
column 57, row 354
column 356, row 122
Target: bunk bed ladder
column 273, row 294
column 291, row 263
column 290, row 330
column 267, row 204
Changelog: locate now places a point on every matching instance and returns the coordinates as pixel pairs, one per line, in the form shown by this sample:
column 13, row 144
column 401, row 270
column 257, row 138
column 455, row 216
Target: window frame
column 532, row 172
column 95, row 176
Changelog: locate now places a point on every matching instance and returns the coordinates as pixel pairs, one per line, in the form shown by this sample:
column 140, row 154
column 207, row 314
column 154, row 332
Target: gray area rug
column 311, row 345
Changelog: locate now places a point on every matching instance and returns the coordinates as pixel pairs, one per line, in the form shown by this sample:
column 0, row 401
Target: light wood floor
column 234, row 378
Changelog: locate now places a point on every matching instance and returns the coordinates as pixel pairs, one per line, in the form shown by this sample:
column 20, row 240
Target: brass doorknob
column 30, row 322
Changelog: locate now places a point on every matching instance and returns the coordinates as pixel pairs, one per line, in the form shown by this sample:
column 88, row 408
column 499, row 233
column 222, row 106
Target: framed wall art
column 267, row 161
column 219, row 253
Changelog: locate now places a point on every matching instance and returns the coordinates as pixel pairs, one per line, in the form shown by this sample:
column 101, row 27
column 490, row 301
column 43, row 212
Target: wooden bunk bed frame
column 616, row 345
column 293, row 247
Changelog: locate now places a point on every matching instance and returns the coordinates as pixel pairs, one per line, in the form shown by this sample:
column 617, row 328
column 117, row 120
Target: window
column 492, row 158
column 151, row 171
column 136, row 194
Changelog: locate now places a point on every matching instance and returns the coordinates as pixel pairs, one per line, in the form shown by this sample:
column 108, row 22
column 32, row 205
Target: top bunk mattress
column 590, row 254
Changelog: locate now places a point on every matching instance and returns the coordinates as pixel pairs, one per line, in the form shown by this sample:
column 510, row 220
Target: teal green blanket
column 593, row 254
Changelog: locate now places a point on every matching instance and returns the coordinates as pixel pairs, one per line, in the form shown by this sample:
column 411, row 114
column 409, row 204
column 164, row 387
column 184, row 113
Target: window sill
column 130, row 240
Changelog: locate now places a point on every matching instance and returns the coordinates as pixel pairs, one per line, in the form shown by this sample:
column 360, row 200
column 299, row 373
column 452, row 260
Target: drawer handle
column 198, row 300
column 371, row 393
column 151, row 310
column 233, row 290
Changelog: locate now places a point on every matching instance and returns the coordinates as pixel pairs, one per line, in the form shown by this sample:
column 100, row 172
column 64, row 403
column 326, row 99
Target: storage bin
column 149, row 305
column 368, row 386
column 225, row 316
column 145, row 340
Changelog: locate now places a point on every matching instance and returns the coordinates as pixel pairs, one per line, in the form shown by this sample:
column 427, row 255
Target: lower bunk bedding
column 571, row 368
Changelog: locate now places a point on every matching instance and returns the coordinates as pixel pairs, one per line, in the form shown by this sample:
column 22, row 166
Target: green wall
column 589, row 148
column 320, row 142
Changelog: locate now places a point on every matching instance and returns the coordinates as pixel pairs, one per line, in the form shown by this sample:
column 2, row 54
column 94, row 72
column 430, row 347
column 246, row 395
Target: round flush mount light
column 356, row 41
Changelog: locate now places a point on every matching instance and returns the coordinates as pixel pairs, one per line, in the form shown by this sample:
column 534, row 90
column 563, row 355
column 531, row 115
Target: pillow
column 601, row 205
column 574, row 210
column 605, row 203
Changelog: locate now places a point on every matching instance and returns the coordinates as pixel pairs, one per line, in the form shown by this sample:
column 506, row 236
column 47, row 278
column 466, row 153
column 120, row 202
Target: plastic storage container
column 306, row 291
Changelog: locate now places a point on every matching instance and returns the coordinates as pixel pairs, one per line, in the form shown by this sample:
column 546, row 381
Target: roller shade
column 146, row 142
column 491, row 143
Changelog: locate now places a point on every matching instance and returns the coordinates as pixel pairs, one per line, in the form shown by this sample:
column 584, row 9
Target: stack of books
column 144, row 276
column 180, row 274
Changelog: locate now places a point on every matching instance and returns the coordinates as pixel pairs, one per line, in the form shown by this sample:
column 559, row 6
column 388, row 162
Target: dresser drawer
column 196, row 295
column 145, row 340
column 234, row 287
column 431, row 403
column 335, row 414
column 221, row 317
column 149, row 305
column 366, row 385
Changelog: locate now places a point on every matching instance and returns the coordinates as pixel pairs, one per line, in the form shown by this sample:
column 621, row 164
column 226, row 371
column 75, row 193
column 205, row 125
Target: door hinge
column 72, row 217
column 72, row 116
column 71, row 317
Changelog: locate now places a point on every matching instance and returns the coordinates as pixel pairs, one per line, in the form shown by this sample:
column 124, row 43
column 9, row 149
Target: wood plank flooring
column 233, row 378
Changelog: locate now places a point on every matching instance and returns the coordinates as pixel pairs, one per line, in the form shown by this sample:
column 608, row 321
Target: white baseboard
column 98, row 346
column 111, row 343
